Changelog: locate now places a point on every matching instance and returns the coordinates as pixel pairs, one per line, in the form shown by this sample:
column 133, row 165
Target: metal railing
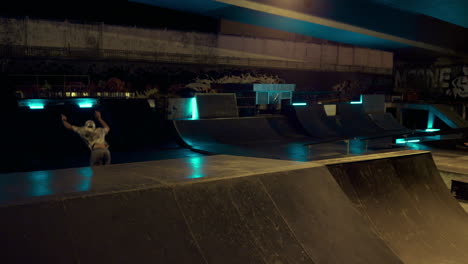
column 11, row 51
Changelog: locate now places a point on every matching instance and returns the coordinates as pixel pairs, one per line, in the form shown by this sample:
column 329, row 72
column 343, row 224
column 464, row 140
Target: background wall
column 64, row 39
column 180, row 79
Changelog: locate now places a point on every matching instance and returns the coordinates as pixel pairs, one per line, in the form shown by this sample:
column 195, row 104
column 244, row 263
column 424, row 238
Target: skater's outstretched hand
column 97, row 114
column 65, row 122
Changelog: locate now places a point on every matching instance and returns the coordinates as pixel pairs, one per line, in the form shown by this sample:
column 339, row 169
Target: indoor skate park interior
column 256, row 131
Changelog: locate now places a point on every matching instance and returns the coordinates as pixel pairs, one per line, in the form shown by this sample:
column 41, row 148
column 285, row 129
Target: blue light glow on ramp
column 40, row 181
column 196, row 164
column 194, row 106
column 87, row 175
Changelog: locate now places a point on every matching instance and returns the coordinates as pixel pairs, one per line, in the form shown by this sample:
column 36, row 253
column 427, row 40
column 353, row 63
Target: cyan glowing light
column 193, row 104
column 196, row 164
column 403, row 141
column 358, row 102
column 40, row 183
column 430, row 120
column 400, row 141
column 86, row 102
column 87, row 175
column 299, row 104
column 85, row 105
column 33, row 103
column 432, row 129
column 36, row 106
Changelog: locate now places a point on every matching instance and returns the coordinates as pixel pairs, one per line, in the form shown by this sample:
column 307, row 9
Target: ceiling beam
column 335, row 24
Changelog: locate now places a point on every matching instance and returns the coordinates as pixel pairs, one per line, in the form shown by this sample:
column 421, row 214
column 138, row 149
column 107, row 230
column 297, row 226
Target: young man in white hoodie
column 95, row 138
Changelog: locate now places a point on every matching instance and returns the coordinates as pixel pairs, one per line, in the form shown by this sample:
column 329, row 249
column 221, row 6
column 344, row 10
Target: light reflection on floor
column 86, row 179
column 39, row 183
column 196, row 164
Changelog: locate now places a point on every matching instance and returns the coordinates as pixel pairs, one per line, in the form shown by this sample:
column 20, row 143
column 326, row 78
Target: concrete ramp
column 382, row 208
column 354, row 122
column 226, row 131
column 387, row 122
column 217, row 209
column 315, row 121
column 406, row 202
column 266, row 137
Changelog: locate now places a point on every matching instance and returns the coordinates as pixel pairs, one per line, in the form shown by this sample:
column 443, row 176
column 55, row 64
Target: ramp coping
column 160, row 174
column 370, row 157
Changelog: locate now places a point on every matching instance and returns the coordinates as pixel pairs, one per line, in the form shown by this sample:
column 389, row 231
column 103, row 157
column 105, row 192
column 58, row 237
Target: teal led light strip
column 194, row 108
column 359, row 102
column 403, row 141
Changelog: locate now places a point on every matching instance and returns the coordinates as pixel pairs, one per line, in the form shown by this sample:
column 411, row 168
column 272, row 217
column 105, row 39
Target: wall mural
column 451, row 82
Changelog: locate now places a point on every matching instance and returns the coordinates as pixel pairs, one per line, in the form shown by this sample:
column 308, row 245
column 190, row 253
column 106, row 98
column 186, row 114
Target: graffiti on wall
column 143, row 80
column 116, row 87
column 347, row 87
column 460, row 85
column 205, row 85
column 434, row 81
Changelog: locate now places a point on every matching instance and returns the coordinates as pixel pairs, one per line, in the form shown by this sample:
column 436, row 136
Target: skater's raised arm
column 65, row 123
column 97, row 114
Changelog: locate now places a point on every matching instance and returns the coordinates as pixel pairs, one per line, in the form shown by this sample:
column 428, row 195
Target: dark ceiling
column 452, row 11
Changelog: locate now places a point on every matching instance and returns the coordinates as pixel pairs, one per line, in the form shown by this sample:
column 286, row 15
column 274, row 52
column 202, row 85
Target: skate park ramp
column 405, row 201
column 350, row 122
column 354, row 122
column 387, row 122
column 267, row 137
column 227, row 130
column 448, row 115
column 214, row 209
column 315, row 121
